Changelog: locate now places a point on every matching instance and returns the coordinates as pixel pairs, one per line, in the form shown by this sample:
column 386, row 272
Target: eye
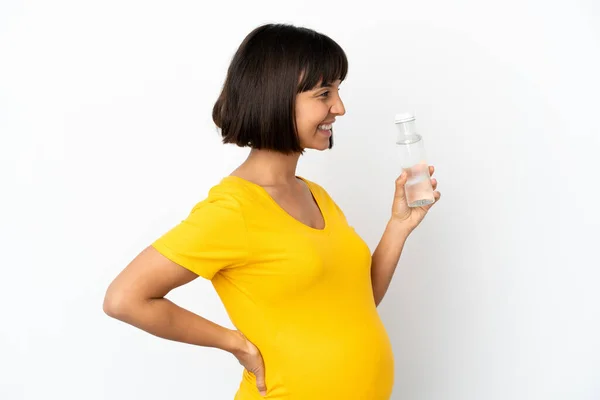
column 324, row 94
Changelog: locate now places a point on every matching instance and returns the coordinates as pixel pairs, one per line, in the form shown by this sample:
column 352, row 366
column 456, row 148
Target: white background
column 107, row 141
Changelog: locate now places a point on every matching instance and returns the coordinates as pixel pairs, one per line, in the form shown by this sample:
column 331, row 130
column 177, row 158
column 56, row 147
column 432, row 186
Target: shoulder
column 230, row 191
column 222, row 194
column 231, row 194
column 221, row 206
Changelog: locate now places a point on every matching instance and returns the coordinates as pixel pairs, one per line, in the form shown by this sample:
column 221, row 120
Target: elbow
column 116, row 304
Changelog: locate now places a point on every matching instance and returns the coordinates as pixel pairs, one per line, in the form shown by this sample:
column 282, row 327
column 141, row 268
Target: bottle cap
column 404, row 117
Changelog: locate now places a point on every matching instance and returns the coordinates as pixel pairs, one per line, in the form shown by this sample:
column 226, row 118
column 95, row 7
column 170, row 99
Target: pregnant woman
column 299, row 284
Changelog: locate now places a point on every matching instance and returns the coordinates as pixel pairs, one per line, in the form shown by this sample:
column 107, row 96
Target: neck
column 271, row 167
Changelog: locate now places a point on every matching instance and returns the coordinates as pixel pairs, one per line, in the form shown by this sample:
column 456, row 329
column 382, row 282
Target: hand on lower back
column 249, row 356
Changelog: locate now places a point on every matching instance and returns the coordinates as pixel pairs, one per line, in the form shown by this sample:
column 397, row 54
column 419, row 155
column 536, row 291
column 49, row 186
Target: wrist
column 399, row 227
column 235, row 342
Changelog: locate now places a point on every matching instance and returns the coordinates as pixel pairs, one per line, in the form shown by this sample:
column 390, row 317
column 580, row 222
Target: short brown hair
column 274, row 63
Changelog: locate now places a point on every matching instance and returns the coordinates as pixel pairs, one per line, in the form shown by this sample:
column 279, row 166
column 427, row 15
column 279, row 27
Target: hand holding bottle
column 411, row 217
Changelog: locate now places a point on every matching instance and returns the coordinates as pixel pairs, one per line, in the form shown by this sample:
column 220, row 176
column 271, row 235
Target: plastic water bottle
column 419, row 191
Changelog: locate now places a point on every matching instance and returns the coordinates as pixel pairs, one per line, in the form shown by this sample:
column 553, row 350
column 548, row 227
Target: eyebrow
column 328, row 86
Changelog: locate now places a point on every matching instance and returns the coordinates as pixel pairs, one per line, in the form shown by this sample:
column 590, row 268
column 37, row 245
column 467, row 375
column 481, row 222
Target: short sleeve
column 212, row 237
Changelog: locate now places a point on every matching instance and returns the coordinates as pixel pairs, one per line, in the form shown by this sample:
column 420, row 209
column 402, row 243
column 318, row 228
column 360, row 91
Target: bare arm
column 403, row 221
column 386, row 257
column 136, row 297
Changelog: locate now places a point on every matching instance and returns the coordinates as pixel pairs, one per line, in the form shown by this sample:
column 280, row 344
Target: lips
column 325, row 132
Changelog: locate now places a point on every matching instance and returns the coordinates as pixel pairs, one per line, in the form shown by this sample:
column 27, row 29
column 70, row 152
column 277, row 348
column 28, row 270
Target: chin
column 325, row 145
column 319, row 144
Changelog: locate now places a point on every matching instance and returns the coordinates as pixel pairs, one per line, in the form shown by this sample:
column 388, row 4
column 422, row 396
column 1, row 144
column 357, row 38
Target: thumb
column 260, row 381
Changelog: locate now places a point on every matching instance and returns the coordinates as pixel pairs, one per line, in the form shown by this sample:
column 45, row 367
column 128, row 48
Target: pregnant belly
column 339, row 361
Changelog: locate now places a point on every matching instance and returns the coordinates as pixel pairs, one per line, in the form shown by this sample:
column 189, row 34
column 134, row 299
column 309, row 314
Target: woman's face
column 316, row 111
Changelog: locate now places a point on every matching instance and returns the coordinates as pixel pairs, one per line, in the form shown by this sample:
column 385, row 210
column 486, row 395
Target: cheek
column 304, row 120
column 318, row 114
column 310, row 116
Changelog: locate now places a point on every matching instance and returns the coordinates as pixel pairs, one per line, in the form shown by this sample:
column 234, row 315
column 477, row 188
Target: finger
column 260, row 381
column 403, row 177
column 431, row 170
column 436, row 197
column 434, row 183
column 400, row 182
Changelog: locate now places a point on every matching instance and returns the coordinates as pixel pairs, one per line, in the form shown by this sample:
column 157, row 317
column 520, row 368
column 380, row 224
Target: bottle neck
column 407, row 128
column 407, row 133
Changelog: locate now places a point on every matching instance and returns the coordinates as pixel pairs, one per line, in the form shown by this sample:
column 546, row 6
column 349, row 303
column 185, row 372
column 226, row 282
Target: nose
column 338, row 108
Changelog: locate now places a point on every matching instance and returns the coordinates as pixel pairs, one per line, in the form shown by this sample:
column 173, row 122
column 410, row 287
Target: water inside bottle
column 418, row 186
column 419, row 191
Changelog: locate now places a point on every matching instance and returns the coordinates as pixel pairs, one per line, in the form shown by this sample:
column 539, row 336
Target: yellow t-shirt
column 303, row 296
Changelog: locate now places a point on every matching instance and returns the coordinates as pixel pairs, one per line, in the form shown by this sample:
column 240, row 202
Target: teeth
column 325, row 127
